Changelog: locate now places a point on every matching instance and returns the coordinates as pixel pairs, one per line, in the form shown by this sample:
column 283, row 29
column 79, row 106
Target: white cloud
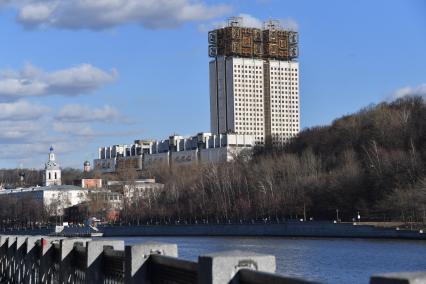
column 21, row 110
column 74, row 129
column 32, row 81
column 79, row 113
column 18, row 131
column 102, row 14
column 410, row 91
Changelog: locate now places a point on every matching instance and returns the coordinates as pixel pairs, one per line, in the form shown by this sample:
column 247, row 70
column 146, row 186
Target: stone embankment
column 286, row 229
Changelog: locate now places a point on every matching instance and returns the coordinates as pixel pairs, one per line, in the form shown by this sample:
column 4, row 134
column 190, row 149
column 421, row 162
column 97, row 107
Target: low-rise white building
column 54, row 198
column 177, row 150
column 135, row 189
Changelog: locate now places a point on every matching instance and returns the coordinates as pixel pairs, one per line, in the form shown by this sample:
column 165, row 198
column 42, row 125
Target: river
column 325, row 260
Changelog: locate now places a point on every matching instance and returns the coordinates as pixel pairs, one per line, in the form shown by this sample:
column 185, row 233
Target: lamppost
column 337, row 215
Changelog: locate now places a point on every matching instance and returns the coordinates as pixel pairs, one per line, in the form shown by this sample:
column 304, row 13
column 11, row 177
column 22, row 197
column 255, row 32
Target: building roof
column 43, row 188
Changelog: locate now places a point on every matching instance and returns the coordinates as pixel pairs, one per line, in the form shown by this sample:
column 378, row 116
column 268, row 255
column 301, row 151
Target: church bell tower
column 52, row 171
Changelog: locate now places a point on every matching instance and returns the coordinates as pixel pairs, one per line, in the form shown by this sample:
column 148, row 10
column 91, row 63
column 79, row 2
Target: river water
column 325, row 260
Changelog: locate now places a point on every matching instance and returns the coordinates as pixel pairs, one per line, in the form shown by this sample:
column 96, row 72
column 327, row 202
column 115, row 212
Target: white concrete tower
column 52, row 171
column 254, row 82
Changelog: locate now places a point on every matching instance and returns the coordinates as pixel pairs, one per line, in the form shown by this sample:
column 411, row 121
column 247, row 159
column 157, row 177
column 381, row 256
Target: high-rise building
column 254, row 82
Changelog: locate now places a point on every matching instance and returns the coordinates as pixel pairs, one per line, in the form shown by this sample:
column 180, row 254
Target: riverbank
column 287, row 229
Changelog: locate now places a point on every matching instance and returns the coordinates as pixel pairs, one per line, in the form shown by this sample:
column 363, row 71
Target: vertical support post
column 222, row 267
column 46, row 259
column 136, row 260
column 95, row 249
column 3, row 258
column 66, row 247
column 11, row 245
column 20, row 255
column 32, row 268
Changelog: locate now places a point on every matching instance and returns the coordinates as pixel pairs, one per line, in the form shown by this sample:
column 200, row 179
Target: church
column 52, row 171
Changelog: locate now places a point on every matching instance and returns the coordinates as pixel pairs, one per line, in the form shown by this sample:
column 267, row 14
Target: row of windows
column 283, row 83
column 284, row 92
column 247, row 66
column 281, row 119
column 283, row 102
column 249, row 98
column 280, row 76
column 286, row 97
column 261, row 67
column 258, row 78
column 247, row 71
column 274, row 83
column 286, row 110
column 284, row 74
column 244, row 92
column 249, row 105
column 283, row 88
column 287, row 115
column 283, row 69
column 249, row 130
column 289, row 131
column 249, row 115
column 285, row 124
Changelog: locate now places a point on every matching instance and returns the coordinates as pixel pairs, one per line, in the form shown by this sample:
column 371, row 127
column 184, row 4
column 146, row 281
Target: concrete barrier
column 400, row 278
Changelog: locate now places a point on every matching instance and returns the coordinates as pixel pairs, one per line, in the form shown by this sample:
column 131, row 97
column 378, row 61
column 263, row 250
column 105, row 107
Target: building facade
column 177, row 150
column 53, row 198
column 254, row 82
column 52, row 170
column 135, row 189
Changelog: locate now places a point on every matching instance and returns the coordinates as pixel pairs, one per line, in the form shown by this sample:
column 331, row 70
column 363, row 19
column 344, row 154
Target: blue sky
column 86, row 73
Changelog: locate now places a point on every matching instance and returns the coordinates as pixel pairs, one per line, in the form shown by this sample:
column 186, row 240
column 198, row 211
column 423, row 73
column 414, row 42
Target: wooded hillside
column 372, row 161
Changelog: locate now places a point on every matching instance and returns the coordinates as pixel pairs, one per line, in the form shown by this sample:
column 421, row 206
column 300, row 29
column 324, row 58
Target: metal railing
column 113, row 266
column 47, row 260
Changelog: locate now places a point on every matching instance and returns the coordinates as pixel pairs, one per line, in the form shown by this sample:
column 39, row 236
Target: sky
column 80, row 74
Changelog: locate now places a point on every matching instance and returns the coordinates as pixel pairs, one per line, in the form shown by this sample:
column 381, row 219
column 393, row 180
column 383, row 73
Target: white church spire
column 52, row 174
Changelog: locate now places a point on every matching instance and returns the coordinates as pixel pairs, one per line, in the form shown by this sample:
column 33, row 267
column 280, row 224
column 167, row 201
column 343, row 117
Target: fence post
column 222, row 267
column 46, row 261
column 20, row 255
column 136, row 257
column 399, row 278
column 3, row 246
column 32, row 269
column 11, row 244
column 95, row 249
column 66, row 247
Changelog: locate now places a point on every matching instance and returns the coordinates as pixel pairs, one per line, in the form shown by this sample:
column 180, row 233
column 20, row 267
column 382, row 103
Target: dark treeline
column 372, row 162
